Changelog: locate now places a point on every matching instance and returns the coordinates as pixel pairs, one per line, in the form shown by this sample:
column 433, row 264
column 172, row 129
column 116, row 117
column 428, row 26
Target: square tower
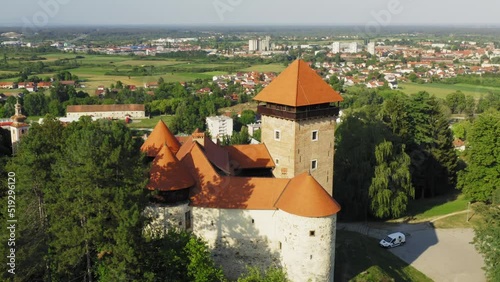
column 298, row 123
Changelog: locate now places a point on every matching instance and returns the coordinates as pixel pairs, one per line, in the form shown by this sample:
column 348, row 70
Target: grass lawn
column 150, row 123
column 166, row 62
column 359, row 258
column 441, row 90
column 9, row 92
column 459, row 220
column 425, row 209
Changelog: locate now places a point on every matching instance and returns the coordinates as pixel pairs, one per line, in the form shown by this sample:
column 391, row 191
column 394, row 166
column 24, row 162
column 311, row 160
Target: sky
column 370, row 13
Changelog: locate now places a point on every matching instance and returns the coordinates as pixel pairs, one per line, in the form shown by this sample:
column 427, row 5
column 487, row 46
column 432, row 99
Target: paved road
column 444, row 255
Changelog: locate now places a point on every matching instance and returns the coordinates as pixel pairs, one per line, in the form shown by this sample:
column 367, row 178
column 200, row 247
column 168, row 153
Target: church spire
column 18, row 117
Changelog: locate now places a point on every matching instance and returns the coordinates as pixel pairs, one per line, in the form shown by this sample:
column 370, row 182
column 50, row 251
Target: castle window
column 280, row 246
column 314, row 136
column 253, row 220
column 277, row 161
column 284, row 171
column 187, row 217
column 277, row 135
column 312, row 233
column 314, row 164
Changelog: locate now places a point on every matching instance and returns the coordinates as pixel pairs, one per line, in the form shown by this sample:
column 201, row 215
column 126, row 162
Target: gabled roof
column 185, row 148
column 249, row 156
column 304, row 196
column 298, row 85
column 217, row 155
column 167, row 173
column 160, row 135
column 229, row 192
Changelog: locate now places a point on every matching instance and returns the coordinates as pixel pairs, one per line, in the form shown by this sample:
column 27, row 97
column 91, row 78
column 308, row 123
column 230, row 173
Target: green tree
column 247, row 117
column 396, row 114
column 55, row 108
column 94, row 209
column 461, row 129
column 201, row 267
column 470, row 106
column 391, row 187
column 272, row 274
column 434, row 161
column 35, row 104
column 456, row 102
column 487, row 239
column 481, row 177
column 257, row 134
column 33, row 166
column 241, row 137
column 355, row 140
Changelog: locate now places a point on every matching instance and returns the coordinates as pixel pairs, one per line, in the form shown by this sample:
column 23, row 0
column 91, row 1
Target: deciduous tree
column 481, row 177
column 390, row 188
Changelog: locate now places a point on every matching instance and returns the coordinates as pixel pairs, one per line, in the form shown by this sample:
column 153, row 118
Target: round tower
column 160, row 136
column 307, row 221
column 170, row 183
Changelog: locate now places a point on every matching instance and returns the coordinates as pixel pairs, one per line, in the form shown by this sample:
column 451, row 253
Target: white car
column 393, row 240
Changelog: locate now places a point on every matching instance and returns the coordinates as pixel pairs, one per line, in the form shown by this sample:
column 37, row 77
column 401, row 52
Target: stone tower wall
column 308, row 247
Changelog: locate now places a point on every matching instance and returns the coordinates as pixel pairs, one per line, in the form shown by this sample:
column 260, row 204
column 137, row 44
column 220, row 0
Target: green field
column 359, row 258
column 150, row 123
column 266, row 68
column 93, row 68
column 441, row 90
column 425, row 209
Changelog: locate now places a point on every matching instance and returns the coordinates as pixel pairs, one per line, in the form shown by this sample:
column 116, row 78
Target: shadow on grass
column 360, row 258
column 422, row 209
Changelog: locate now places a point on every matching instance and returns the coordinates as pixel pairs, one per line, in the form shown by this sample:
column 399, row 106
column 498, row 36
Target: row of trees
column 391, row 148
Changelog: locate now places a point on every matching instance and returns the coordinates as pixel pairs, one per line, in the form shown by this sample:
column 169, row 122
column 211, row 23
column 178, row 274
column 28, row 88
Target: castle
column 266, row 204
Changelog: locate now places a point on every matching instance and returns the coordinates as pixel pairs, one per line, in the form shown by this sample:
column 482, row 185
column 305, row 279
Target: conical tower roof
column 298, row 85
column 304, row 196
column 160, row 135
column 167, row 173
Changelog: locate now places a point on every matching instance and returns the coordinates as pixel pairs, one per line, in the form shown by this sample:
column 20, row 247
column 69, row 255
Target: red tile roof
column 298, row 85
column 167, row 173
column 105, row 108
column 304, row 196
column 226, row 192
column 249, row 156
column 217, row 155
column 301, row 195
column 160, row 135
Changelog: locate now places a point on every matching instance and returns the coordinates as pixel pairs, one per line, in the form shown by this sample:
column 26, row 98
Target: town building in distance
column 117, row 111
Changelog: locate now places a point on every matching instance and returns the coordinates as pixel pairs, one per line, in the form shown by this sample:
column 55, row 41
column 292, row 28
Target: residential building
column 371, row 48
column 219, row 127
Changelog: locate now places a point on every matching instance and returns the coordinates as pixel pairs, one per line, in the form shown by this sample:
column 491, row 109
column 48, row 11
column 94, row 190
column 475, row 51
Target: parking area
column 444, row 255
